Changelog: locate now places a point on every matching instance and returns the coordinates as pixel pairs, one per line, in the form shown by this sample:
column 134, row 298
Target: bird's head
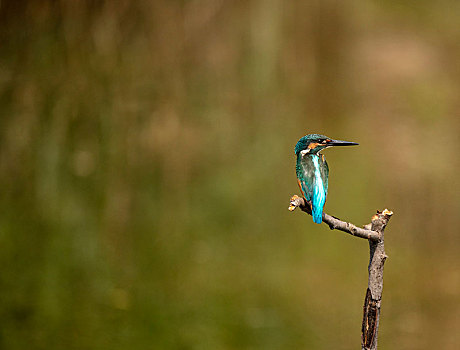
column 314, row 143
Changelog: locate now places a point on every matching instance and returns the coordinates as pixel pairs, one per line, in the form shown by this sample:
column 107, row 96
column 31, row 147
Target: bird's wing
column 305, row 177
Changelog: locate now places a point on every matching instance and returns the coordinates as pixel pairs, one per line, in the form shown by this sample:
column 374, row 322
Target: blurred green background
column 146, row 163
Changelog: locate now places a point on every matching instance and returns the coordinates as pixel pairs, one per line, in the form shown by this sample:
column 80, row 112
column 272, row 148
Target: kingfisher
column 312, row 170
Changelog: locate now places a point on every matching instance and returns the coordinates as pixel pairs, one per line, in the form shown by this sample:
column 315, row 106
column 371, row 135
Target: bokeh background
column 146, row 164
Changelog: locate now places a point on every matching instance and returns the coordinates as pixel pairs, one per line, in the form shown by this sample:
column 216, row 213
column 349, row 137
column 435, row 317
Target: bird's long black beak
column 341, row 143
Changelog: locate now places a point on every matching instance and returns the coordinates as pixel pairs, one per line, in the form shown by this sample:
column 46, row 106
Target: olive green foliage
column 146, row 163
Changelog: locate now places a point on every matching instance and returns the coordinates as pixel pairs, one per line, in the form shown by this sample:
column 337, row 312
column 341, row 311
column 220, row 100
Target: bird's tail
column 317, row 214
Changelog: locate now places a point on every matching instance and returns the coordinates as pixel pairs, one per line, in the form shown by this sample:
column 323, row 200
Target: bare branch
column 333, row 222
column 374, row 233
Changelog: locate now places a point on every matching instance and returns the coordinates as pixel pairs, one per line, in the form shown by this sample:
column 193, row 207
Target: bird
column 312, row 170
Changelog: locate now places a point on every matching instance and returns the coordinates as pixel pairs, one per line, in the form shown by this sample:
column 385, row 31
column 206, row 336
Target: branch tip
column 295, row 202
column 387, row 212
